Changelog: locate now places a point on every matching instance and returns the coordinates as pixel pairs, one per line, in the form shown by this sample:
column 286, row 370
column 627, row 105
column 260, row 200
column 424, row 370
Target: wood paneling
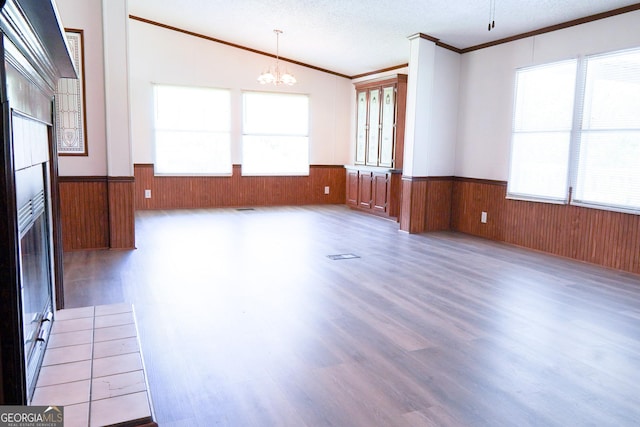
column 414, row 203
column 426, row 204
column 438, row 209
column 97, row 212
column 173, row 192
column 84, row 207
column 121, row 213
column 610, row 239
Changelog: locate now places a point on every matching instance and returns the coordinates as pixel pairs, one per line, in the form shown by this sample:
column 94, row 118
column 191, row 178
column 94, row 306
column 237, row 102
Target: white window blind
column 608, row 172
column 192, row 131
column 541, row 138
column 275, row 134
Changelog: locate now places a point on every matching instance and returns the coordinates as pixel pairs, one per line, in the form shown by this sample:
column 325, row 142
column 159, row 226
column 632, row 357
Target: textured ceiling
column 353, row 37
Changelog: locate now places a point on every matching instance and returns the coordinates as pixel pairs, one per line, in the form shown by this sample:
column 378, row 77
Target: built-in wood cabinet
column 374, row 190
column 374, row 180
column 380, row 116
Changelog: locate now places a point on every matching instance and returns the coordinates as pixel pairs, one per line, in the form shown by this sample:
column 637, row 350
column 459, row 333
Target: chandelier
column 274, row 75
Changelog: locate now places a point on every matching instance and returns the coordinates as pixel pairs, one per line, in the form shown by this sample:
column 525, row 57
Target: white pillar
column 115, row 17
column 419, row 106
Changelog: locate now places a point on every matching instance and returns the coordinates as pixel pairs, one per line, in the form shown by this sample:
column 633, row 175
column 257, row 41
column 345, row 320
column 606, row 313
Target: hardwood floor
column 244, row 321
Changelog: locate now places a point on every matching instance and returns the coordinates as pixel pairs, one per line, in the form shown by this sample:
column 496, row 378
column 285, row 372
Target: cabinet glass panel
column 387, row 128
column 374, row 127
column 361, row 130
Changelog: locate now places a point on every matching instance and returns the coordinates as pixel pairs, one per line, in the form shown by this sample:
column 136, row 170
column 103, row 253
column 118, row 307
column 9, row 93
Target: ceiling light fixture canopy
column 273, row 75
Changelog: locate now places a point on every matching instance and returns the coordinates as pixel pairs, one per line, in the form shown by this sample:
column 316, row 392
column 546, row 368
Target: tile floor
column 93, row 367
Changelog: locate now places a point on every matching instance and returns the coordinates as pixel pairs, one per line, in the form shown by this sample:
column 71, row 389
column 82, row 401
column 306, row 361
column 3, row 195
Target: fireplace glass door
column 36, row 284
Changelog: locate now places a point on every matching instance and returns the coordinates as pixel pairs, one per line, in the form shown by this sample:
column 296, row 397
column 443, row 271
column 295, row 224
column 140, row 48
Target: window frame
column 564, row 199
column 576, row 140
column 228, row 171
column 245, row 133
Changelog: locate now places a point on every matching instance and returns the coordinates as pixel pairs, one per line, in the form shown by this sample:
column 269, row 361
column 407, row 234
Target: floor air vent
column 342, row 256
column 245, row 209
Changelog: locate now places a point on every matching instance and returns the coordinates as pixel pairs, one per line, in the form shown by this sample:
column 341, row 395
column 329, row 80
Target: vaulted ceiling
column 352, row 37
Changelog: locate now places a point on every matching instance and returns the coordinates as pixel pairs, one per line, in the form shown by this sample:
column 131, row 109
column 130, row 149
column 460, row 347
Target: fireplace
column 36, row 283
column 34, row 56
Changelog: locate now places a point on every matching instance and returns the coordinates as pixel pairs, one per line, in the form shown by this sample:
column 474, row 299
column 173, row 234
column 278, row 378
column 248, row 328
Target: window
column 609, row 156
column 192, row 131
column 591, row 145
column 541, row 136
column 275, row 134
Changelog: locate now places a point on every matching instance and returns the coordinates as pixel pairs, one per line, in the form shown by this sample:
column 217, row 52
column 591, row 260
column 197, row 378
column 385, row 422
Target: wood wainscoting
column 97, row 212
column 610, row 239
column 178, row 192
column 426, row 204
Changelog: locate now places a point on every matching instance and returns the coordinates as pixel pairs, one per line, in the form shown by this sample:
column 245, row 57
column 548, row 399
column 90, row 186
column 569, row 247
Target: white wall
column 158, row 55
column 487, row 80
column 87, row 15
column 443, row 129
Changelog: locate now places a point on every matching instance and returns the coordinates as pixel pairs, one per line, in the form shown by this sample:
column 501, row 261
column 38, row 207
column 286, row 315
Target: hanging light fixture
column 492, row 15
column 273, row 75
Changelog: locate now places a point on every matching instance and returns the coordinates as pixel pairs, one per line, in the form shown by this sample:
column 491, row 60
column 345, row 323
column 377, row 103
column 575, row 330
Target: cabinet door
column 380, row 192
column 373, row 143
column 361, row 128
column 352, row 188
column 387, row 126
column 364, row 190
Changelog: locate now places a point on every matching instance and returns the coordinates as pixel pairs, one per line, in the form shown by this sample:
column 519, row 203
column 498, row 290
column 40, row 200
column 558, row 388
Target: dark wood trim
column 382, row 81
column 237, row 165
column 320, row 166
column 480, row 181
column 423, row 36
column 383, row 70
column 96, row 178
column 415, row 178
column 427, row 178
column 82, row 179
column 556, row 27
column 234, row 45
column 121, row 178
column 449, row 47
column 440, row 178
